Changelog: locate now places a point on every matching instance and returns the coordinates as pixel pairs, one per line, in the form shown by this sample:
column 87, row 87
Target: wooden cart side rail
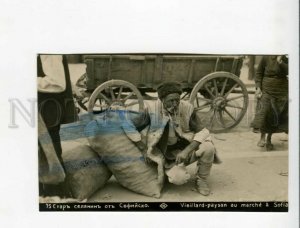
column 90, row 70
column 233, row 63
column 153, row 56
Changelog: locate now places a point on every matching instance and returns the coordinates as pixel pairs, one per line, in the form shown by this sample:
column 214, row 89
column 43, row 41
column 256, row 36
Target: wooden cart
column 210, row 82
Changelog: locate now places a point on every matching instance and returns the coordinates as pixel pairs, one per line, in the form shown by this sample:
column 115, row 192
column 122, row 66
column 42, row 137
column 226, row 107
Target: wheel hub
column 219, row 103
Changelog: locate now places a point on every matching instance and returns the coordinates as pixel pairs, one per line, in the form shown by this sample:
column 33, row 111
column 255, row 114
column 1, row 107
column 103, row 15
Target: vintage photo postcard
column 149, row 113
column 163, row 132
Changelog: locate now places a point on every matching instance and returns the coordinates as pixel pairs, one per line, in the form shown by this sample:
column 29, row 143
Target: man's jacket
column 155, row 134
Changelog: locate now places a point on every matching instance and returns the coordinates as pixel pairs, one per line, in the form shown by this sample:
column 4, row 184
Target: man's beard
column 173, row 109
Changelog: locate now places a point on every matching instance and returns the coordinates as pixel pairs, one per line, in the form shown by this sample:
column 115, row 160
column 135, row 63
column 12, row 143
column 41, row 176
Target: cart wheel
column 116, row 94
column 221, row 101
column 82, row 102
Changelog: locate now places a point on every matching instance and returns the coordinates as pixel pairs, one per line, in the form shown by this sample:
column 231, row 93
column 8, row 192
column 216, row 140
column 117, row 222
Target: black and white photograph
column 161, row 113
column 201, row 132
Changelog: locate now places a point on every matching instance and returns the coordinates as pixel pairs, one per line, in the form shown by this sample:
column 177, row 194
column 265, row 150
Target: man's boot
column 201, row 182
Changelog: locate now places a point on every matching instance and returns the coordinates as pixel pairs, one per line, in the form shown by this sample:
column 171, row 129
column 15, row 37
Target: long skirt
column 272, row 113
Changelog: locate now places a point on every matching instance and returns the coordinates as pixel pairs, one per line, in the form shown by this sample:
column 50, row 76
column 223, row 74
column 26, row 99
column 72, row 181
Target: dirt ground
column 248, row 172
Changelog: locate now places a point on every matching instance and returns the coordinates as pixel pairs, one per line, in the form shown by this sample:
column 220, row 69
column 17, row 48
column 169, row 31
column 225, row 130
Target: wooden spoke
column 224, row 85
column 197, row 101
column 101, row 105
column 234, row 98
column 120, row 92
column 101, row 95
column 221, row 119
column 203, row 99
column 203, row 107
column 220, row 88
column 233, row 106
column 186, row 93
column 228, row 113
column 112, row 93
column 84, row 100
column 232, row 88
column 216, row 88
column 212, row 119
column 128, row 96
column 209, row 91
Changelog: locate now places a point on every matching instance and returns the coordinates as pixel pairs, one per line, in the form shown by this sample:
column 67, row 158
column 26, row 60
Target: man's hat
column 167, row 88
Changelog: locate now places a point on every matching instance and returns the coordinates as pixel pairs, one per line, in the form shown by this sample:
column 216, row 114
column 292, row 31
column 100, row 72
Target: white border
column 182, row 26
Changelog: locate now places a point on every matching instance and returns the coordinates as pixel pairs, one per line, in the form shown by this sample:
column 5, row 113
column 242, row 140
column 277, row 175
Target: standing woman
column 56, row 107
column 272, row 87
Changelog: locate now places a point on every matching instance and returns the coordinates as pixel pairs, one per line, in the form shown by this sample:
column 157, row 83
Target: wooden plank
column 137, row 57
column 234, row 65
column 125, row 56
column 143, row 72
column 201, row 57
column 191, row 71
column 157, row 77
column 109, row 67
column 90, row 71
column 217, row 64
column 151, row 56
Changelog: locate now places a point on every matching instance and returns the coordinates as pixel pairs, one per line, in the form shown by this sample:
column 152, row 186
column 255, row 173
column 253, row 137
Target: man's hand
column 146, row 158
column 258, row 93
column 184, row 155
column 143, row 148
column 181, row 157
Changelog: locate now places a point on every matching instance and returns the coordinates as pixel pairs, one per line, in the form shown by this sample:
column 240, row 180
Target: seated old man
column 174, row 132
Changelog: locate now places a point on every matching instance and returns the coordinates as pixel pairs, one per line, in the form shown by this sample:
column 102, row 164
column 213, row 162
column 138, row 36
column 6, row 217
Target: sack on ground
column 122, row 157
column 85, row 171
